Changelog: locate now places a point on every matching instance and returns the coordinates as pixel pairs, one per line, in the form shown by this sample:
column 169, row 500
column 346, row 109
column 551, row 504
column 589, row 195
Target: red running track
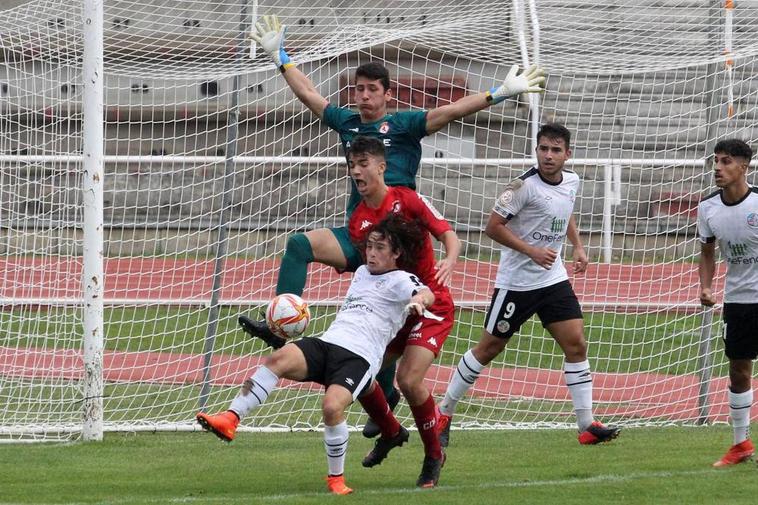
column 251, row 281
column 640, row 395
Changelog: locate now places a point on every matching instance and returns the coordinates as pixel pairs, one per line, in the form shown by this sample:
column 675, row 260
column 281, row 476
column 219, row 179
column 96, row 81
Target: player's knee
column 407, row 384
column 332, row 410
column 576, row 350
column 488, row 348
column 299, row 247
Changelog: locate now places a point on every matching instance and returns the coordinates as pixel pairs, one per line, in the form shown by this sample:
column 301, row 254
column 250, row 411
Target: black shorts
column 741, row 330
column 331, row 364
column 510, row 309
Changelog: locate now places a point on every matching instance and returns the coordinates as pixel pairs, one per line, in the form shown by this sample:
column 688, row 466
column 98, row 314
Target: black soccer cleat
column 383, row 446
column 261, row 330
column 430, row 471
column 371, row 429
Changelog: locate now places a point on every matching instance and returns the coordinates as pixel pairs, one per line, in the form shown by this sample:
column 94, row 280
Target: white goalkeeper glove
column 269, row 34
column 529, row 81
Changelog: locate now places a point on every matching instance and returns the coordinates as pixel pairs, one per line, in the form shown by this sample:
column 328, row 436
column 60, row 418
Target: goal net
column 210, row 163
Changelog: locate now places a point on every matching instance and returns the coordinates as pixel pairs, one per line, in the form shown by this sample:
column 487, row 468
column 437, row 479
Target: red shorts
column 426, row 332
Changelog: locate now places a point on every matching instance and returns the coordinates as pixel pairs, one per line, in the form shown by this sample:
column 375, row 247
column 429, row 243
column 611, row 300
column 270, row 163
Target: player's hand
column 580, row 260
column 444, row 268
column 269, row 34
column 531, row 80
column 543, row 256
column 707, row 298
column 415, row 309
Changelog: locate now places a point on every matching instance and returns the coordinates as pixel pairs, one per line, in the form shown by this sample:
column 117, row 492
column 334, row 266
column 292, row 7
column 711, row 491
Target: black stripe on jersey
column 710, row 240
column 754, row 189
column 529, row 173
column 738, row 201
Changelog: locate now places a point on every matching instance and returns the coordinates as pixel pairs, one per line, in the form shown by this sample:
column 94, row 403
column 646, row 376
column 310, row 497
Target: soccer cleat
column 336, row 484
column 737, row 453
column 430, row 471
column 383, row 446
column 443, row 428
column 261, row 330
column 223, row 425
column 597, row 432
column 371, row 429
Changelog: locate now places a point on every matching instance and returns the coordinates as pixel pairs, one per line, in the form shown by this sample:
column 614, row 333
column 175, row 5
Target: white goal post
column 204, row 163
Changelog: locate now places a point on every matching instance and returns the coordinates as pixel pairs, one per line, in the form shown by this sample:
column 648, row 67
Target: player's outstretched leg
column 383, row 446
column 386, row 379
column 261, row 330
column 223, row 425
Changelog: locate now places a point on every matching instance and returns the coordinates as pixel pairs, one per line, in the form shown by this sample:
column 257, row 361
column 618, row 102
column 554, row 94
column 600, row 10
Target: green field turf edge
column 669, row 465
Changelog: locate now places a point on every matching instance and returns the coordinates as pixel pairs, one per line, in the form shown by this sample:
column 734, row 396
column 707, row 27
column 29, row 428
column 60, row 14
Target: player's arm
column 706, row 270
column 269, row 34
column 530, row 81
column 580, row 255
column 446, row 265
column 420, row 301
column 497, row 229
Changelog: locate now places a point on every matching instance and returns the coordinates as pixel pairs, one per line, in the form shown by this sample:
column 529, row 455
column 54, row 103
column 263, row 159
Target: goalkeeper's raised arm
column 269, row 33
column 531, row 80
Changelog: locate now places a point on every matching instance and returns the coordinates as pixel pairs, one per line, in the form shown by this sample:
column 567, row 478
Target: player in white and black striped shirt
column 730, row 217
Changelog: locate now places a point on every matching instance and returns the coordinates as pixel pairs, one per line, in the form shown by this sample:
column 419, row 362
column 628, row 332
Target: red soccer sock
column 376, row 406
column 426, row 422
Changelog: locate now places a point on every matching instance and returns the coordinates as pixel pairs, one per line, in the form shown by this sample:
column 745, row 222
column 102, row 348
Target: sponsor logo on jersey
column 752, row 220
column 737, row 249
column 503, row 326
column 384, row 127
column 365, row 224
column 557, row 225
column 354, row 302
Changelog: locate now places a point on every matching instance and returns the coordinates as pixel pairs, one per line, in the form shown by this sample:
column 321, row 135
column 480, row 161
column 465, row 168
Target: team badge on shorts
column 503, row 326
column 384, row 127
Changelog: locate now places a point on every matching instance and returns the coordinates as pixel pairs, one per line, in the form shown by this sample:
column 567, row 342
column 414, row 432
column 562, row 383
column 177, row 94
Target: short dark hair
column 734, row 147
column 366, row 145
column 403, row 235
column 555, row 131
column 374, row 71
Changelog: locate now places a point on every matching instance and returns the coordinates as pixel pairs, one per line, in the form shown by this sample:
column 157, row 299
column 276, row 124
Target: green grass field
column 643, row 466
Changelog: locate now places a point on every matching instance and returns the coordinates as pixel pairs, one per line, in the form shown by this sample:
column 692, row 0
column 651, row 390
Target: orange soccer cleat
column 223, row 425
column 336, row 485
column 737, row 453
column 443, row 428
column 597, row 432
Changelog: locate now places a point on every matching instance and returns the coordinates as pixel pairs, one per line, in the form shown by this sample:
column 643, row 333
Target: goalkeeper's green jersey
column 401, row 134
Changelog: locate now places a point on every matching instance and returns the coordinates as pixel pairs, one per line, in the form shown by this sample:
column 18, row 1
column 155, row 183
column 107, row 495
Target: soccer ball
column 287, row 315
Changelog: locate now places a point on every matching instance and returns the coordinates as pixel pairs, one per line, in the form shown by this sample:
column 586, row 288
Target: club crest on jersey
column 572, row 195
column 506, row 197
column 752, row 220
column 503, row 326
column 396, row 206
column 380, row 283
column 384, row 127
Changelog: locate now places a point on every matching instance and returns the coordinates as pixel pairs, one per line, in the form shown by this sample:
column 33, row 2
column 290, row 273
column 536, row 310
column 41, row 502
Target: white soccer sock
column 463, row 378
column 739, row 412
column 335, row 443
column 579, row 382
column 255, row 391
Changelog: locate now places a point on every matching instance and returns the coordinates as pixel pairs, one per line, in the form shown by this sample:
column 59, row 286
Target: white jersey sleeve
column 703, row 228
column 512, row 200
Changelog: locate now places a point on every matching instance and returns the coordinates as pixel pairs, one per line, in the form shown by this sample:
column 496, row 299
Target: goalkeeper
column 401, row 134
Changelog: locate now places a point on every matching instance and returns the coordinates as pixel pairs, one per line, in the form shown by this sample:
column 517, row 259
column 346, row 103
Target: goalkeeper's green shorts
column 352, row 254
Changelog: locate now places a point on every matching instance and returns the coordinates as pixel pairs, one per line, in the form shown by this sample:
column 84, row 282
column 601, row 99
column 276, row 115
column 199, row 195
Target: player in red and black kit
column 420, row 340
